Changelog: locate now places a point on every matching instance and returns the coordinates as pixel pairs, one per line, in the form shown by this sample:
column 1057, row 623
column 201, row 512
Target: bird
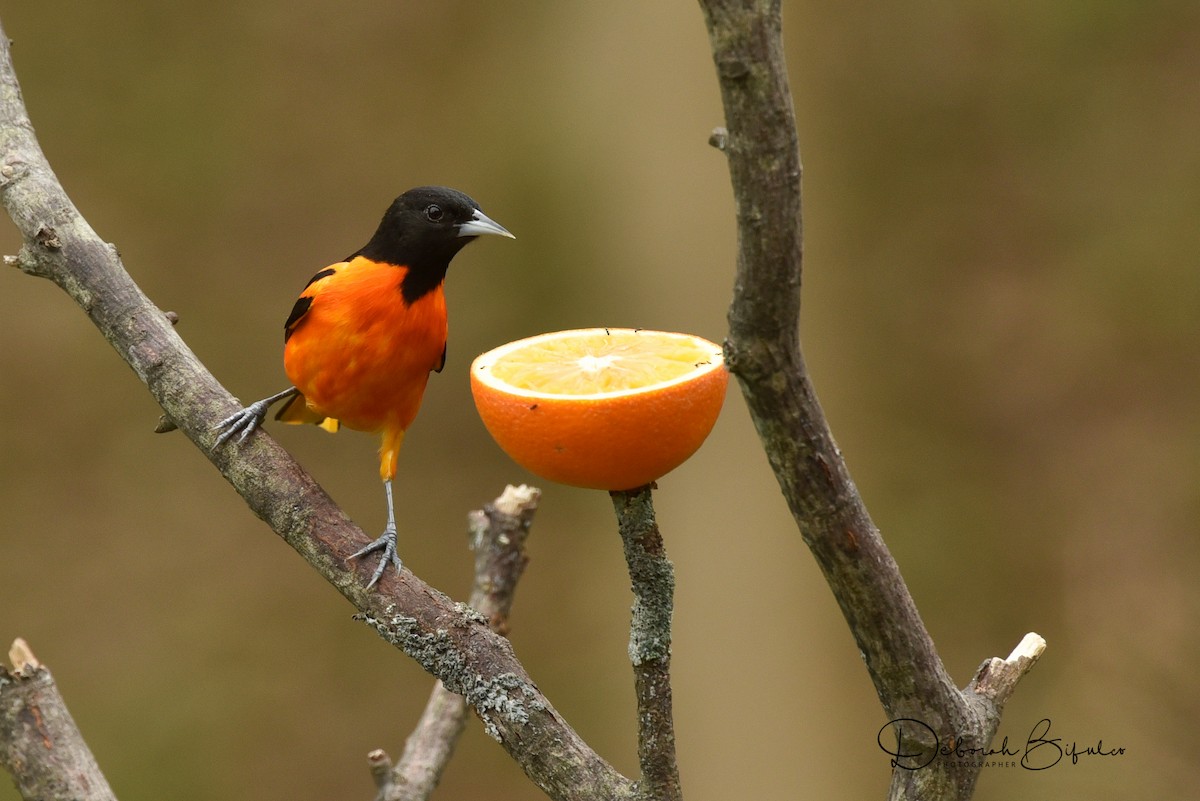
column 366, row 333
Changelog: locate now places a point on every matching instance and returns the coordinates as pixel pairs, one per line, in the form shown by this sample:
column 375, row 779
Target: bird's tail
column 297, row 412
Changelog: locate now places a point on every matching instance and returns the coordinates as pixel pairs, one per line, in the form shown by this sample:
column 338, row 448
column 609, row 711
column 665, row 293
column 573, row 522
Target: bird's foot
column 386, row 542
column 241, row 424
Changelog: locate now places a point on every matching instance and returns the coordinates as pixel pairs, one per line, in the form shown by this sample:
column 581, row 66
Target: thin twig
column 498, row 533
column 652, row 580
column 40, row 745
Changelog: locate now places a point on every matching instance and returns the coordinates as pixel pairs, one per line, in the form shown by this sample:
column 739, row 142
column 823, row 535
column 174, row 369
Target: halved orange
column 605, row 408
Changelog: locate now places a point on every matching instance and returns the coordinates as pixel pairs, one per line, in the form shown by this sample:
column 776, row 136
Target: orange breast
column 360, row 353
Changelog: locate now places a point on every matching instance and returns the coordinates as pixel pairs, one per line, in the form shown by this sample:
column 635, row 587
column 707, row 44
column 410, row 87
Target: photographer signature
column 1040, row 751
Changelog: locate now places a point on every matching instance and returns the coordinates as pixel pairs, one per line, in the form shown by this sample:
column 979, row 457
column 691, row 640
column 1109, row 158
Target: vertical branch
column 652, row 578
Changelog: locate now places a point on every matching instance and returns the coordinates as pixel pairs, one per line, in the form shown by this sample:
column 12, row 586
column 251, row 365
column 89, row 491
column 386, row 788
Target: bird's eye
column 433, row 212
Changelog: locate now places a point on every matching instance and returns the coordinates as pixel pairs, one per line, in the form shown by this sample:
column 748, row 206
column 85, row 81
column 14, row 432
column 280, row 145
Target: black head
column 425, row 227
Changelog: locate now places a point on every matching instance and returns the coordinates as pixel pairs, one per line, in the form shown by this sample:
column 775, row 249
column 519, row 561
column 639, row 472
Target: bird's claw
column 241, row 424
column 386, row 542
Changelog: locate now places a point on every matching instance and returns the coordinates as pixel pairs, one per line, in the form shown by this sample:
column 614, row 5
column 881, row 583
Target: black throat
column 426, row 265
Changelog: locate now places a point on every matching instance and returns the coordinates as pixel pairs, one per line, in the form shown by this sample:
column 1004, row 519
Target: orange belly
column 361, row 354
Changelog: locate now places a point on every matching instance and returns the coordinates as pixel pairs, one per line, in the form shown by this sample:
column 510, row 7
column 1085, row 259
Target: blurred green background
column 1001, row 204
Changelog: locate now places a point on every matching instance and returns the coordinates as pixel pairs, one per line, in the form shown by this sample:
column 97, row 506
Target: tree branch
column 763, row 351
column 652, row 579
column 498, row 534
column 40, row 745
column 449, row 640
column 997, row 678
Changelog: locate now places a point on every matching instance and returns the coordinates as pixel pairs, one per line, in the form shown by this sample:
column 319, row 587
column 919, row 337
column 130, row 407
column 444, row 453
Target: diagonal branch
column 763, row 351
column 449, row 640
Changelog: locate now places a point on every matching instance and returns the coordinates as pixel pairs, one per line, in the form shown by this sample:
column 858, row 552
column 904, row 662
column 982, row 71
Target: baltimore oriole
column 366, row 332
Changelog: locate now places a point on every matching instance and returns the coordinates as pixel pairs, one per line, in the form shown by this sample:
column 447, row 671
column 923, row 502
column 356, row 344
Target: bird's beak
column 480, row 223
